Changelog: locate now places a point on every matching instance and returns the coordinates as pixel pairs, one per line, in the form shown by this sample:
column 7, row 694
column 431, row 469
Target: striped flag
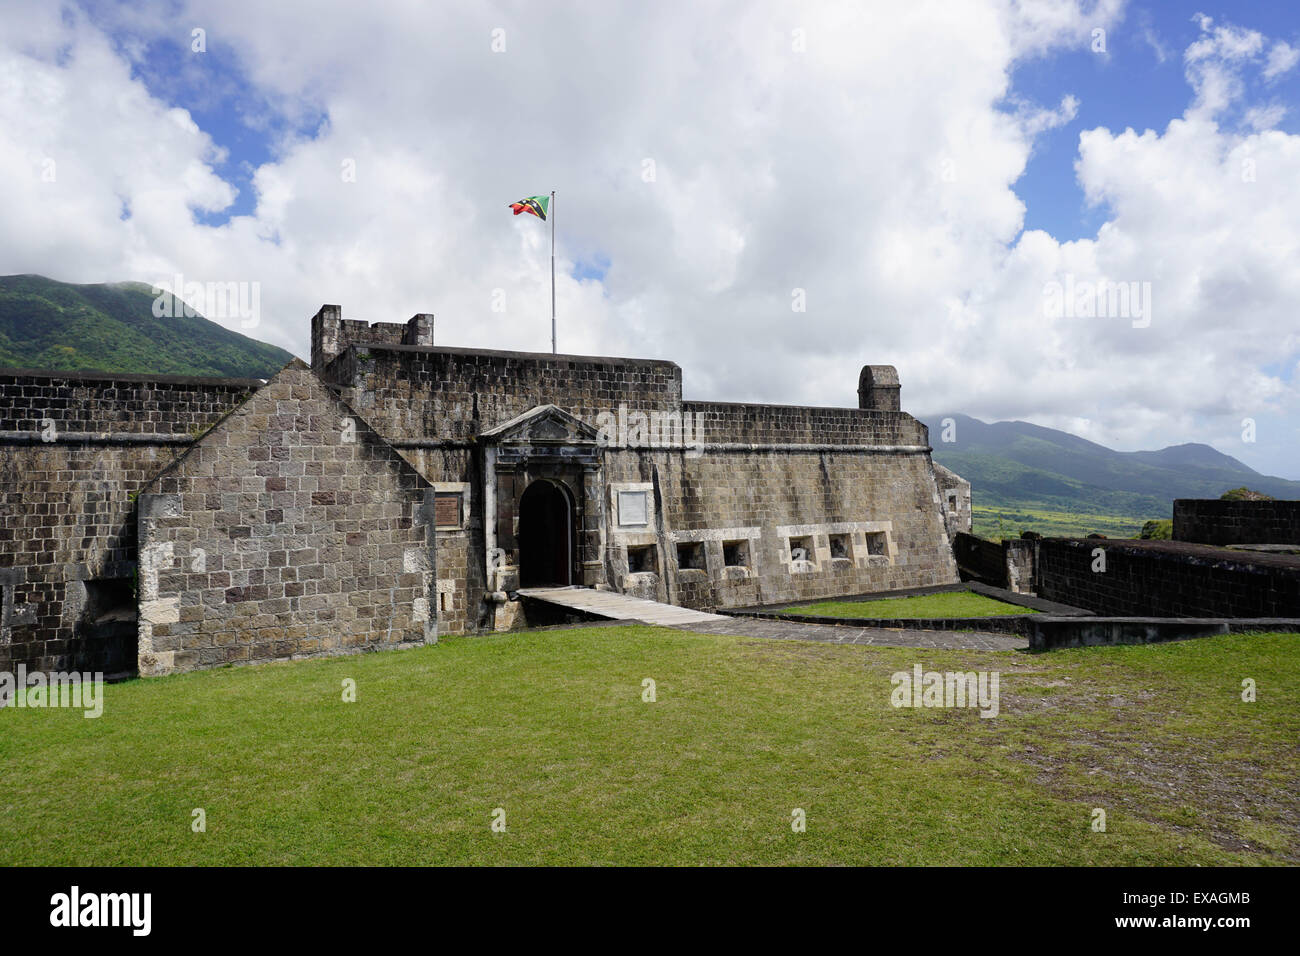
column 537, row 205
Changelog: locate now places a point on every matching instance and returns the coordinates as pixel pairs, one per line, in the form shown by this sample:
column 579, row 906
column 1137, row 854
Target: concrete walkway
column 621, row 607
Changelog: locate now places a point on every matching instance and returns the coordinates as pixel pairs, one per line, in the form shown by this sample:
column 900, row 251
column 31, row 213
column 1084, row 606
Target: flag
column 537, row 205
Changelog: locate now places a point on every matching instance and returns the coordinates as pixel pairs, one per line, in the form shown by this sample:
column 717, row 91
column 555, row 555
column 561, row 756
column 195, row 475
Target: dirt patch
column 1158, row 783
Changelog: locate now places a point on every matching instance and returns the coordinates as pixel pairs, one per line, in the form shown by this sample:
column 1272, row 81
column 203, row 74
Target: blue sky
column 780, row 169
column 1138, row 83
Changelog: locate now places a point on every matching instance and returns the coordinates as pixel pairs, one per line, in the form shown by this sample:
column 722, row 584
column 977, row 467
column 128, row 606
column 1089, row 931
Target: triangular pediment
column 543, row 425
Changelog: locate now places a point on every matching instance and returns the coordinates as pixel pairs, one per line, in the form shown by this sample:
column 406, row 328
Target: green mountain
column 1027, row 477
column 47, row 324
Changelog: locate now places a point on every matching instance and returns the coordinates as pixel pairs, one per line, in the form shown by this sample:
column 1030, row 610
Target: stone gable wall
column 291, row 530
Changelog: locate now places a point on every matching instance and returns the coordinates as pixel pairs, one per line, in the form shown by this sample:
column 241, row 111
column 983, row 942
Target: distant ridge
column 1016, row 467
column 110, row 327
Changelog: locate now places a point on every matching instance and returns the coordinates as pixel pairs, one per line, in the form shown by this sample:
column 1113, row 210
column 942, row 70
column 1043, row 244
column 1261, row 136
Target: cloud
column 1281, row 59
column 722, row 160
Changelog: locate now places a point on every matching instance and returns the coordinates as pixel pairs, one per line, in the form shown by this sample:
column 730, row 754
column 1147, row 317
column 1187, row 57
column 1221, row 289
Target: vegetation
column 943, row 604
column 46, row 324
column 1159, row 530
column 551, row 727
column 998, row 523
column 1245, row 494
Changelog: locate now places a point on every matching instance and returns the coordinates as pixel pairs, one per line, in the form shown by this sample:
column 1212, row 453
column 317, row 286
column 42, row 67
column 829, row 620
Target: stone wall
column 735, row 529
column 735, row 423
column 331, row 334
column 267, row 538
column 1022, row 565
column 981, row 559
column 1168, row 579
column 854, row 486
column 75, row 449
column 1214, row 521
column 290, row 530
column 954, row 493
column 410, row 393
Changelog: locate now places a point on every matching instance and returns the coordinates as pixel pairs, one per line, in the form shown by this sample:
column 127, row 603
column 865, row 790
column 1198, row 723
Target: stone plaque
column 446, row 511
column 632, row 507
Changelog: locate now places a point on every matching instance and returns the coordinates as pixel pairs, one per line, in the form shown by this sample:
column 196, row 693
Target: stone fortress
column 396, row 490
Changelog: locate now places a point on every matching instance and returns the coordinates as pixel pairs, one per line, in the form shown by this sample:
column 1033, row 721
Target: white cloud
column 873, row 170
column 1281, row 59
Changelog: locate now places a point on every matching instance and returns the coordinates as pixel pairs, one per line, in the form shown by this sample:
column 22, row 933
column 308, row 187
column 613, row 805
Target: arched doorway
column 545, row 535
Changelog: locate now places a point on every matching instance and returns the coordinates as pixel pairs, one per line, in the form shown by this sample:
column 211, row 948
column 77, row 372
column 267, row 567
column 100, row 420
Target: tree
column 1244, row 494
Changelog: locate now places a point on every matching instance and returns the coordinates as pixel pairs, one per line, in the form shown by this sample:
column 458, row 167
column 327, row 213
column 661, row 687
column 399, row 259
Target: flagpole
column 552, row 271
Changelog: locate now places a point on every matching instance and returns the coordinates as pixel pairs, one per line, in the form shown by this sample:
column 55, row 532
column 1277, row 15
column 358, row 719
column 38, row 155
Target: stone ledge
column 1050, row 633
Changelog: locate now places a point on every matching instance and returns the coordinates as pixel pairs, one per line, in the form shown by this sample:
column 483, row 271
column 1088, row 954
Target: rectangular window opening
column 690, row 555
column 641, row 559
column 841, row 546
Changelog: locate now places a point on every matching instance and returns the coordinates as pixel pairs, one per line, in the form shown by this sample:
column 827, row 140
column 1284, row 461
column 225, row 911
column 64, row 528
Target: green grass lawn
column 551, row 726
column 943, row 604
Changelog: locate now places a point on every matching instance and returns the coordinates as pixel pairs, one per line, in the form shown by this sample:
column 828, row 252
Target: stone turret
column 878, row 388
column 331, row 334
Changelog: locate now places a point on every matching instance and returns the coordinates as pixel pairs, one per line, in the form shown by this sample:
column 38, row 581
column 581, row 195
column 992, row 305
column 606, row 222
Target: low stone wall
column 1167, row 579
column 1049, row 633
column 980, row 559
column 1214, row 521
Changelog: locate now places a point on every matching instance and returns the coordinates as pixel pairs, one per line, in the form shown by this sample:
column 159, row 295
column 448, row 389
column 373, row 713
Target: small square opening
column 641, row 559
column 841, row 546
column 735, row 554
column 109, row 599
column 690, row 555
column 801, row 549
column 877, row 544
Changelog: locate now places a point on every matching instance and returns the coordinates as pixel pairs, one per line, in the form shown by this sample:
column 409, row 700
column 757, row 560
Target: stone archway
column 546, row 535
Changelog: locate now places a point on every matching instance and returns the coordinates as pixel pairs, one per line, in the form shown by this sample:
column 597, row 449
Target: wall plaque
column 632, row 508
column 446, row 510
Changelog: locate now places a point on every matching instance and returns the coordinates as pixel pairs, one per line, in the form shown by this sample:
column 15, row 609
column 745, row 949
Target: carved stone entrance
column 543, row 484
